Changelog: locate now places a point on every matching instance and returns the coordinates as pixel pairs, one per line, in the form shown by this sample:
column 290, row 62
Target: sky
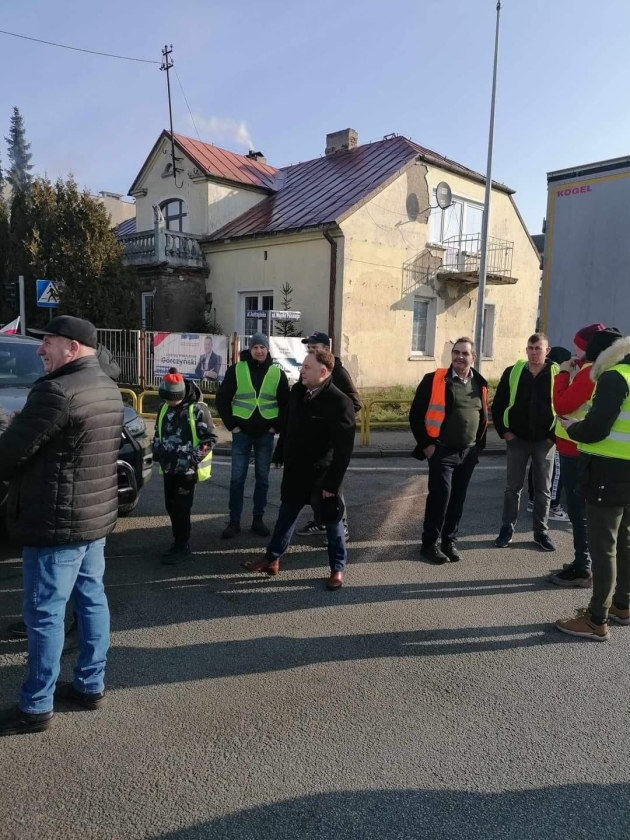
column 281, row 74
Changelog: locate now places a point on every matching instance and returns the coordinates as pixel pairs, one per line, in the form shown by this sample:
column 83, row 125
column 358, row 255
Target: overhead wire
column 78, row 49
column 187, row 105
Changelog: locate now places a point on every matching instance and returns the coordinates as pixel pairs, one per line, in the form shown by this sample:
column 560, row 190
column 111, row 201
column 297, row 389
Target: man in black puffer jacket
column 59, row 456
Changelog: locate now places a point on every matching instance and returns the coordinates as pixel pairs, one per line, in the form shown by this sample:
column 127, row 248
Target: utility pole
column 22, row 305
column 483, row 267
column 167, row 63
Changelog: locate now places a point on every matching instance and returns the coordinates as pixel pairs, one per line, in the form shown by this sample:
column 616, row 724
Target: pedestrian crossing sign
column 47, row 293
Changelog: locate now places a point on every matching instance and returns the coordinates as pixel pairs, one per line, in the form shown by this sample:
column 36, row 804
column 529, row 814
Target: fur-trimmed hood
column 610, row 357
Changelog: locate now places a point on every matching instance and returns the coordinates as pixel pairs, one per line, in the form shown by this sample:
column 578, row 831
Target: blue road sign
column 47, row 293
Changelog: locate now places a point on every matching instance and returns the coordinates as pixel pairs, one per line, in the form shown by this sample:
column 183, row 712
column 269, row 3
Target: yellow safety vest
column 246, row 402
column 617, row 444
column 515, row 375
column 579, row 413
column 204, row 470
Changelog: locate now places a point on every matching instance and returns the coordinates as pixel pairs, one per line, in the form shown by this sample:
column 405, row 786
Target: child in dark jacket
column 182, row 446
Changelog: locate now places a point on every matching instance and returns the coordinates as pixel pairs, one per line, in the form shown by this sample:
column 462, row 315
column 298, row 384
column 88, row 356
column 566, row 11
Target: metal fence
column 133, row 352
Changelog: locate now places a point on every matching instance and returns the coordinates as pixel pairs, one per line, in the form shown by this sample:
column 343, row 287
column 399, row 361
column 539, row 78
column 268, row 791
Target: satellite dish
column 443, row 195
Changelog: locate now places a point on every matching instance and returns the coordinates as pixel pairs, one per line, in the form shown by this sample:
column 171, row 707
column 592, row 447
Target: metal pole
column 483, row 267
column 22, row 305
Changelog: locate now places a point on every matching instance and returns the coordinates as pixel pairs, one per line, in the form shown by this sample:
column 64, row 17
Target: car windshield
column 20, row 365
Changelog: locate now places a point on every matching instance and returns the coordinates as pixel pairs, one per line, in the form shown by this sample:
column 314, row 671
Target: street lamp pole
column 483, row 266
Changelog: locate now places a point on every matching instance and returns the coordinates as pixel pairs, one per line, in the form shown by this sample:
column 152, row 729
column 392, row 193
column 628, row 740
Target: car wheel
column 123, row 510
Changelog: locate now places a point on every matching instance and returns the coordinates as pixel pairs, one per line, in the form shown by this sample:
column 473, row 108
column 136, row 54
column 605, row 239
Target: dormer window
column 174, row 212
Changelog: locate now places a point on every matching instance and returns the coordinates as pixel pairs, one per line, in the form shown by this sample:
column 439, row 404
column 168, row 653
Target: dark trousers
column 518, row 453
column 285, row 526
column 450, row 471
column 557, row 482
column 609, row 540
column 179, row 494
column 576, row 508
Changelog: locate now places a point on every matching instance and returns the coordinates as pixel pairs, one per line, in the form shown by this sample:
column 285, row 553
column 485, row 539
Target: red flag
column 12, row 328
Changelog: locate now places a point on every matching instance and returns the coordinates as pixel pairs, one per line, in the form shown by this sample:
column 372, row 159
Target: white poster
column 196, row 356
column 288, row 354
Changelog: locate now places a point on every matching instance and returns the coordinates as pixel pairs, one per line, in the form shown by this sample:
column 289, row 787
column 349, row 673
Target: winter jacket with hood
column 256, row 425
column 59, row 456
column 175, row 452
column 604, row 481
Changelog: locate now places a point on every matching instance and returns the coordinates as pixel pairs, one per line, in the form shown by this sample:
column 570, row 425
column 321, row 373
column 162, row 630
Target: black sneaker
column 233, row 528
column 172, row 549
column 451, row 552
column 17, row 629
column 543, row 541
column 572, row 578
column 67, row 693
column 434, row 554
column 505, row 536
column 181, row 553
column 311, row 528
column 259, row 527
column 15, row 722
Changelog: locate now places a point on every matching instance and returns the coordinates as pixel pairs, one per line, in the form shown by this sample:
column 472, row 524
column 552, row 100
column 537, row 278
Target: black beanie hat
column 601, row 341
column 559, row 354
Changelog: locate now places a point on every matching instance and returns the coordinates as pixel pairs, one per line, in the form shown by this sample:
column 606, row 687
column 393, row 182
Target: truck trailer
column 586, row 277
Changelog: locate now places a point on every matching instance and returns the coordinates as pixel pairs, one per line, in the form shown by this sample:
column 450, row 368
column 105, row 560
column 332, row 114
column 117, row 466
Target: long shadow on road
column 565, row 812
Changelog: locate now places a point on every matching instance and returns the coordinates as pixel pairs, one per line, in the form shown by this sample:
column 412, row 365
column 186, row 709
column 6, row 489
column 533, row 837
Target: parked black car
column 20, row 367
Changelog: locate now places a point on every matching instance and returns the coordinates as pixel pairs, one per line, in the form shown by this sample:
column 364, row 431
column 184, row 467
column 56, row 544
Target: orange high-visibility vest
column 436, row 412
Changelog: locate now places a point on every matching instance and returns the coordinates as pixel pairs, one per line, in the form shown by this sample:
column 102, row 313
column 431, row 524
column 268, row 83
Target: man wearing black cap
column 59, row 456
column 340, row 379
column 603, row 439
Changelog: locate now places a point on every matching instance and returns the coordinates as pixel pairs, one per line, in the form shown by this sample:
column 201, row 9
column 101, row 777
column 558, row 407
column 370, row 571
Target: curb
column 226, row 452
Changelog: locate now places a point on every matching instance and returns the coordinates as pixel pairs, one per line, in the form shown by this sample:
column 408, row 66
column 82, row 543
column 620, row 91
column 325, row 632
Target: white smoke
column 223, row 130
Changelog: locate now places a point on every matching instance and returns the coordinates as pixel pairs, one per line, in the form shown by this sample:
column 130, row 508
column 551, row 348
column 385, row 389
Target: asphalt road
column 417, row 702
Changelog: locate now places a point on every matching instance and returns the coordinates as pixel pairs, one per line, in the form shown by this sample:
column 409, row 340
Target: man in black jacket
column 449, row 418
column 251, row 401
column 522, row 411
column 340, row 379
column 59, row 456
column 315, row 446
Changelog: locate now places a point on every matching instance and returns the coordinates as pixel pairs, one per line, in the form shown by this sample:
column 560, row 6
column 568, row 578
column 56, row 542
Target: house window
column 487, row 341
column 462, row 218
column 423, row 326
column 148, row 310
column 174, row 212
column 258, row 303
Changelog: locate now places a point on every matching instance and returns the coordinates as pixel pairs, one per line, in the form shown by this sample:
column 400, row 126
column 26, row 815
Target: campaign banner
column 288, row 354
column 195, row 355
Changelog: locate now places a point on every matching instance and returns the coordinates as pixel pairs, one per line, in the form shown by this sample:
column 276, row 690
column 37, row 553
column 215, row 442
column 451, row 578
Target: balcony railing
column 157, row 246
column 462, row 259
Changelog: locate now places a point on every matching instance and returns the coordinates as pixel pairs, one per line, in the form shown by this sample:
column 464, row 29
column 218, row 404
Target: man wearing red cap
column 572, row 390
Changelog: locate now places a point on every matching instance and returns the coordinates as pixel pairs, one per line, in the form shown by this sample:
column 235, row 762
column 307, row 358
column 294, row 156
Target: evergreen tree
column 60, row 233
column 287, row 329
column 3, row 202
column 19, row 175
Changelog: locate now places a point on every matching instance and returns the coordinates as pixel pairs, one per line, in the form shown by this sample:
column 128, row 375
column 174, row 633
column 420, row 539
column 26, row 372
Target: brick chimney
column 257, row 156
column 342, row 141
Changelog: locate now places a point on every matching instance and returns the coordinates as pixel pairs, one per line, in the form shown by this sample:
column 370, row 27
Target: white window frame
column 488, row 331
column 241, row 319
column 465, row 202
column 429, row 350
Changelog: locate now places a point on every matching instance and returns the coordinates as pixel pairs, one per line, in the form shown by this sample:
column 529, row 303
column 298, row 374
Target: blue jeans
column 51, row 576
column 285, row 526
column 576, row 508
column 242, row 444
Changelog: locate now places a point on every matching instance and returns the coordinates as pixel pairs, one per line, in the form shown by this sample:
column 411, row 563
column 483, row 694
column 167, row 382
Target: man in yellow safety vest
column 251, row 402
column 603, row 439
column 523, row 416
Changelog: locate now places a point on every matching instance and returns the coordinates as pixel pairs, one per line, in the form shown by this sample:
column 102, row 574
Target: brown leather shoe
column 267, row 567
column 335, row 581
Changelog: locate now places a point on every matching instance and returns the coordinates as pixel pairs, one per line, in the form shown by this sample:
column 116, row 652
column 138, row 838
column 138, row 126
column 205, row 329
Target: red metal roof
column 319, row 191
column 219, row 163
